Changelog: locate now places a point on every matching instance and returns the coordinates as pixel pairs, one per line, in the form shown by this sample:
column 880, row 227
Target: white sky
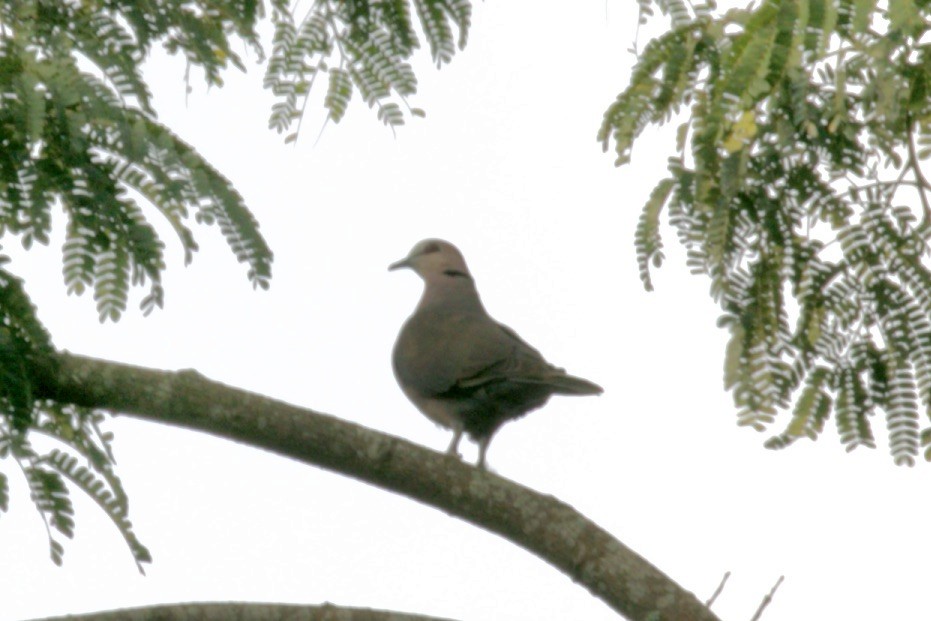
column 506, row 166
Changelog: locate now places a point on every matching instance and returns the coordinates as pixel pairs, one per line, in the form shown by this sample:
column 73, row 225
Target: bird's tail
column 571, row 385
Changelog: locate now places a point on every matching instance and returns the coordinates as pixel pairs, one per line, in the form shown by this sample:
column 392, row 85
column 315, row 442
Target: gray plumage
column 461, row 368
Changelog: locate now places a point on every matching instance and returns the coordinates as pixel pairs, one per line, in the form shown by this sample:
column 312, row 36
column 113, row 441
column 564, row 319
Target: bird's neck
column 456, row 292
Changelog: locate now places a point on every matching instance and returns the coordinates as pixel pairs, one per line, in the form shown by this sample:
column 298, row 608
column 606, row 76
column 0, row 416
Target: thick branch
column 236, row 611
column 541, row 524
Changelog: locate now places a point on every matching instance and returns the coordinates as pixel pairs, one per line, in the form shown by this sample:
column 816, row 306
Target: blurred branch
column 551, row 529
column 718, row 590
column 244, row 611
column 767, row 599
column 920, row 181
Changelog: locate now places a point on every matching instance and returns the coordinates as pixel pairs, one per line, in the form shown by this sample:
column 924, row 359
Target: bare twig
column 923, row 184
column 718, row 590
column 767, row 599
column 887, row 187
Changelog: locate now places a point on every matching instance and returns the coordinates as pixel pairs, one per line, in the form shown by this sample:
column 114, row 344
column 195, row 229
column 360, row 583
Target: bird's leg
column 454, row 445
column 482, row 449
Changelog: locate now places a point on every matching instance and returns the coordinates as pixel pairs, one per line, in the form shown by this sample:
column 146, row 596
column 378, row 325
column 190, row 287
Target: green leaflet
column 904, row 15
column 734, row 357
column 863, row 14
column 114, row 505
column 747, row 64
column 435, row 18
column 338, row 94
column 811, row 408
column 853, row 407
column 901, row 416
column 647, row 239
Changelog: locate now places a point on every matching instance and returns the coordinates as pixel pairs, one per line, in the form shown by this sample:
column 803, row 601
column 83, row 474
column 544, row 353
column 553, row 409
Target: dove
column 462, row 369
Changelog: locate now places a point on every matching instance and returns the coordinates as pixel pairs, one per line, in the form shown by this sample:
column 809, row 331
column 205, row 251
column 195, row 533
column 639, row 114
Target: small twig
column 887, row 187
column 641, row 18
column 767, row 599
column 300, row 118
column 718, row 590
column 923, row 184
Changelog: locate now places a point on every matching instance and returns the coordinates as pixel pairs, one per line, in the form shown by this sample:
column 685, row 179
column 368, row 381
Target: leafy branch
column 361, row 46
column 787, row 191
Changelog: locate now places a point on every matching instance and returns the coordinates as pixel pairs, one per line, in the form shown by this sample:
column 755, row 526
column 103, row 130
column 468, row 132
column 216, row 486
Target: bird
column 462, row 369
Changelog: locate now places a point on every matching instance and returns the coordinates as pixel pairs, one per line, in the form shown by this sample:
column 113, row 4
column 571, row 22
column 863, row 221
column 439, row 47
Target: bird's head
column 433, row 259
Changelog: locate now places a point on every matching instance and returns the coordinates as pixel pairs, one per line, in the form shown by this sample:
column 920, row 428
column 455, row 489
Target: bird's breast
column 421, row 359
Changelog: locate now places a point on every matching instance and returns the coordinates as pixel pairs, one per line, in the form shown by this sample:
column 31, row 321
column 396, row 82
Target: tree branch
column 551, row 529
column 244, row 611
column 921, row 182
column 718, row 590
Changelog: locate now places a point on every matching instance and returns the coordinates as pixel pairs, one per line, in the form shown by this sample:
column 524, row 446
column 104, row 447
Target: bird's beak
column 397, row 265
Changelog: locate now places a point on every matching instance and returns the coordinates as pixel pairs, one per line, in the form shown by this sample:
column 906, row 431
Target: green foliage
column 797, row 188
column 78, row 132
column 364, row 46
column 25, row 346
column 46, row 473
column 77, row 129
column 647, row 239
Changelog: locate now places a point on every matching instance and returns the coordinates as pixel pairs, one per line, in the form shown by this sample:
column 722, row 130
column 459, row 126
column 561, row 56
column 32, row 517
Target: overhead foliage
column 358, row 45
column 796, row 186
column 77, row 129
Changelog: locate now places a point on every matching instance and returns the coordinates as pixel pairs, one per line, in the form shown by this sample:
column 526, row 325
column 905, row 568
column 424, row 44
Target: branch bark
column 551, row 529
column 244, row 611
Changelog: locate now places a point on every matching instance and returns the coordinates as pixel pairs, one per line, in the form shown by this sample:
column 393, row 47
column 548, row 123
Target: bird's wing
column 522, row 364
column 445, row 351
column 497, row 353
